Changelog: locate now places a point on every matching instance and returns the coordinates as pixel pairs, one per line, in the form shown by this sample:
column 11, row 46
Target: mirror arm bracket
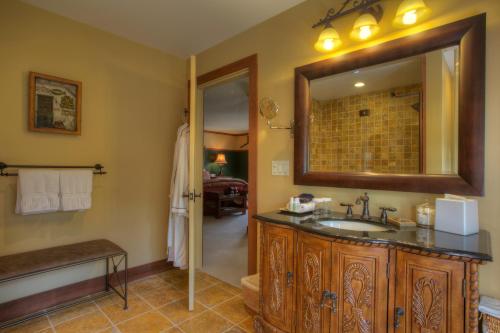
column 290, row 127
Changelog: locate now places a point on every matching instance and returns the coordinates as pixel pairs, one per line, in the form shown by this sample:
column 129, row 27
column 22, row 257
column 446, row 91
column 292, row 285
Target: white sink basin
column 350, row 225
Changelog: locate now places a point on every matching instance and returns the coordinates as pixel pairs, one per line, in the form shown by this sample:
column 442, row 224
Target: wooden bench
column 21, row 265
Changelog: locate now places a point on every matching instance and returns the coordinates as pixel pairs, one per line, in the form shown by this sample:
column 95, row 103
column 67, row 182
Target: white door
column 195, row 177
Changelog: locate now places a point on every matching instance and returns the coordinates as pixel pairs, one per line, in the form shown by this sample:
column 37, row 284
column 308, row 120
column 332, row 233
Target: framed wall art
column 54, row 104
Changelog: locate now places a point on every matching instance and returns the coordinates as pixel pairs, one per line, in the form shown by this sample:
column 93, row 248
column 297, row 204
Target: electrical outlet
column 281, row 168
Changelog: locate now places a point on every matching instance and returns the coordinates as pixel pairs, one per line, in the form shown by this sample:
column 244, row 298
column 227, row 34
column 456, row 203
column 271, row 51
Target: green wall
column 237, row 162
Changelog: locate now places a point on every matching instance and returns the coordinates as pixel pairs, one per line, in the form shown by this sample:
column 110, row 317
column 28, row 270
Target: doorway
column 227, row 236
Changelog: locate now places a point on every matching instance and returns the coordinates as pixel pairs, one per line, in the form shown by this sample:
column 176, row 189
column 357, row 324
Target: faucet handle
column 383, row 215
column 349, row 208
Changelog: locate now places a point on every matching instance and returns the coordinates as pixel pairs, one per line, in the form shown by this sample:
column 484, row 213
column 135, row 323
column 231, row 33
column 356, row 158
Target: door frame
column 249, row 64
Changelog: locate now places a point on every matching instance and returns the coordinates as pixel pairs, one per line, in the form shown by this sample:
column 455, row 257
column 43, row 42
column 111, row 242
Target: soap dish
column 401, row 222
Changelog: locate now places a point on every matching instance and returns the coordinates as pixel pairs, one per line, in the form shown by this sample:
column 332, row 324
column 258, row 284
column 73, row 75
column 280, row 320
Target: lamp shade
column 410, row 12
column 221, row 159
column 328, row 40
column 365, row 27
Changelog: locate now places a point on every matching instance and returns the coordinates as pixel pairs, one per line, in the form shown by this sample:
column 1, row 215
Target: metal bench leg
column 126, row 282
column 107, row 274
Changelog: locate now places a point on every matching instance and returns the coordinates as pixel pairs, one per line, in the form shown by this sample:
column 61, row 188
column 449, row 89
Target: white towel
column 76, row 189
column 37, row 191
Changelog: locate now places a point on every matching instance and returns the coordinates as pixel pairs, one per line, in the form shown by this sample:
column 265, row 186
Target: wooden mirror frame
column 469, row 35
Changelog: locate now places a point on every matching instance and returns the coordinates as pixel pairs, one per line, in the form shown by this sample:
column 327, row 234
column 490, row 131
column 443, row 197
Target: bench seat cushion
column 27, row 263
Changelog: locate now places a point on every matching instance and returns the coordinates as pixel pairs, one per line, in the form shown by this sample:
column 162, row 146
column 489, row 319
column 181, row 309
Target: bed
column 224, row 196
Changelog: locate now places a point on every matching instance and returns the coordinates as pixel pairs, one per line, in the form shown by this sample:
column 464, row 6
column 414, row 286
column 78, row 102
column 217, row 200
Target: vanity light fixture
column 410, row 12
column 328, row 40
column 367, row 24
column 359, row 84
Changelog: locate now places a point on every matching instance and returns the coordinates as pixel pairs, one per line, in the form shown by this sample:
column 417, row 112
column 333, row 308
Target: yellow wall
column 286, row 41
column 133, row 97
column 224, row 141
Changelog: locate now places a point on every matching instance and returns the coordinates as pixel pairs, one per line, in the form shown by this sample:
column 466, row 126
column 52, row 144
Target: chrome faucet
column 366, row 210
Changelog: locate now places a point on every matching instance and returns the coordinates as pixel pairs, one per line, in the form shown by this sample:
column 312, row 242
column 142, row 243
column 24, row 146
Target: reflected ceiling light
column 328, row 40
column 365, row 26
column 359, row 84
column 410, row 12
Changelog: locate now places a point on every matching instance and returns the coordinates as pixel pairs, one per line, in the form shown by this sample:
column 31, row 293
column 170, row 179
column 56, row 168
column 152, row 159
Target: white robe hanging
column 179, row 185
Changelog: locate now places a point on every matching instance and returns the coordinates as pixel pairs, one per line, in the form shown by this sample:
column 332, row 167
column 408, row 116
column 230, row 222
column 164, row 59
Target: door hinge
column 464, row 288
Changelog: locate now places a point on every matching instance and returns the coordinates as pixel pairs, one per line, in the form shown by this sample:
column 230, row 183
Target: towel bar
column 97, row 168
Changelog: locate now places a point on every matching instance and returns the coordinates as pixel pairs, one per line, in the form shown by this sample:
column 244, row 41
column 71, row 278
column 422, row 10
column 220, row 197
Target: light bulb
column 365, row 32
column 359, row 84
column 328, row 44
column 410, row 17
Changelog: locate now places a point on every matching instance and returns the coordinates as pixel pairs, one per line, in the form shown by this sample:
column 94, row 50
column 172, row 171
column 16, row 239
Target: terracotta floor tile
column 207, row 277
column 174, row 330
column 174, row 276
column 163, row 295
column 150, row 322
column 207, row 322
column 91, row 322
column 247, row 325
column 199, row 284
column 213, row 296
column 234, row 310
column 33, row 325
column 229, row 287
column 148, row 283
column 178, row 311
column 113, row 298
column 235, row 329
column 116, row 313
column 72, row 312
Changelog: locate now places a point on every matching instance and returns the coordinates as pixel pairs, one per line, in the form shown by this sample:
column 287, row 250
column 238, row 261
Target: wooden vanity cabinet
column 429, row 294
column 360, row 282
column 312, row 284
column 277, row 294
column 313, row 279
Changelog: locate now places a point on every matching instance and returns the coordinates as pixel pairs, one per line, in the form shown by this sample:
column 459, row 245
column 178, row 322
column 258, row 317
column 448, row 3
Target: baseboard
column 33, row 303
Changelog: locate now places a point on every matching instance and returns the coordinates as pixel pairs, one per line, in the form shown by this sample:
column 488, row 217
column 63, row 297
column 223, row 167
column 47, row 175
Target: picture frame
column 54, row 104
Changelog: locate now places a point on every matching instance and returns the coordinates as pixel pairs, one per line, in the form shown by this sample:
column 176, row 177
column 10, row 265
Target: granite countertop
column 476, row 246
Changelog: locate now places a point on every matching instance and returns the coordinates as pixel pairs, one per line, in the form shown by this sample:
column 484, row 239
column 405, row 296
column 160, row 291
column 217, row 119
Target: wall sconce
column 410, row 12
column 367, row 24
column 268, row 109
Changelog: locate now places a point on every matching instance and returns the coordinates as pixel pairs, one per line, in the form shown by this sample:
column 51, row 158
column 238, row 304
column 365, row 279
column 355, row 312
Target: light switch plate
column 281, row 168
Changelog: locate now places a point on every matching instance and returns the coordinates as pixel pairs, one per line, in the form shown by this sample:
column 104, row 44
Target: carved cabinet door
column 277, row 294
column 313, row 279
column 429, row 295
column 360, row 282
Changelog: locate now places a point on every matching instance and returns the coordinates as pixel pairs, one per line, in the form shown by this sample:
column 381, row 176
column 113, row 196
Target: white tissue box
column 457, row 215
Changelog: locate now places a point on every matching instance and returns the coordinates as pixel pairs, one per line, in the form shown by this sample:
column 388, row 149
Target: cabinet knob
column 397, row 318
column 289, row 279
column 332, row 296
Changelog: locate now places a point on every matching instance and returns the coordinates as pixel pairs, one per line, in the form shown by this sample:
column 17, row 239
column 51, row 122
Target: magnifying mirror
column 268, row 108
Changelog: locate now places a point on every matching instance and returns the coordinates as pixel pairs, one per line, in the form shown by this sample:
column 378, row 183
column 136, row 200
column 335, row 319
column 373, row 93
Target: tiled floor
column 156, row 304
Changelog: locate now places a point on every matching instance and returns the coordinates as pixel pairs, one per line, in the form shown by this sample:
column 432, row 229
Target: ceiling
column 380, row 77
column 178, row 27
column 225, row 106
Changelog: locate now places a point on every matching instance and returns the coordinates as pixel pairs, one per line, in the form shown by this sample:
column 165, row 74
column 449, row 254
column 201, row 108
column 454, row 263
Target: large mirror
column 398, row 117
column 404, row 115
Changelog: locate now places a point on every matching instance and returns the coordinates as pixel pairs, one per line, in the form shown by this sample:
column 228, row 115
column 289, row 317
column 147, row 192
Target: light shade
column 410, row 12
column 221, row 159
column 328, row 40
column 365, row 27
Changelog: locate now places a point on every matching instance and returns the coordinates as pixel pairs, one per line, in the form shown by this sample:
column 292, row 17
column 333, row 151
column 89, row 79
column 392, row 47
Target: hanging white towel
column 37, row 191
column 76, row 189
column 179, row 185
